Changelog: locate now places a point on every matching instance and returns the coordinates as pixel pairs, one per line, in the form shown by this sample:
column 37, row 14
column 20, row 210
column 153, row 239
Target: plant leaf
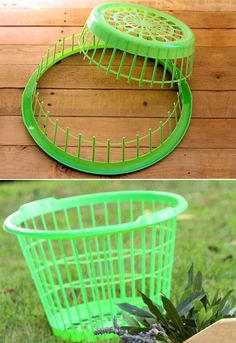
column 130, row 320
column 190, row 277
column 173, row 315
column 197, row 283
column 154, row 310
column 187, row 304
column 224, row 300
column 136, row 311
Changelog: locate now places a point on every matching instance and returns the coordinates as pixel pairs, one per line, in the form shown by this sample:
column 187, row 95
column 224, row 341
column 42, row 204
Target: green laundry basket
column 89, row 253
column 163, row 58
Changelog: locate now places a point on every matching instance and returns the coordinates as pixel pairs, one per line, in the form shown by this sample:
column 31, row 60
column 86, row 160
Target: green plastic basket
column 89, row 253
column 142, row 32
column 111, row 157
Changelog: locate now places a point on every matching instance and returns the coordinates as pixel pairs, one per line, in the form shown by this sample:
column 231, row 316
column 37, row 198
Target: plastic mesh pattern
column 143, row 24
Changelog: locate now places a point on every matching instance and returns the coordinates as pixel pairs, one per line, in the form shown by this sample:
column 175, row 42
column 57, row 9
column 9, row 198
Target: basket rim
column 47, row 205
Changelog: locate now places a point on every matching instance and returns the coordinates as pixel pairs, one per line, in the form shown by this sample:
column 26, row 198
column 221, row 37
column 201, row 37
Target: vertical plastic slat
column 107, row 273
column 154, row 253
column 94, row 51
column 57, row 271
column 165, row 69
column 174, row 68
column 187, row 66
column 40, row 112
column 94, row 277
column 63, row 46
column 81, row 281
column 89, row 46
column 166, row 255
column 102, row 56
column 93, row 148
column 150, row 139
column 98, row 254
column 47, row 57
column 161, row 136
column 137, row 145
column 182, row 65
column 143, row 247
column 44, row 282
column 169, row 122
column 55, row 132
column 172, row 252
column 121, row 270
column 143, row 71
column 55, row 52
column 175, row 114
column 179, row 103
column 123, row 149
column 110, row 253
column 79, row 270
column 79, row 144
column 132, row 68
column 46, row 123
column 66, row 139
column 108, row 150
column 41, row 66
column 154, row 72
column 132, row 256
column 111, row 60
column 89, row 271
column 121, row 65
column 65, row 263
column 72, row 41
column 120, row 250
column 159, row 261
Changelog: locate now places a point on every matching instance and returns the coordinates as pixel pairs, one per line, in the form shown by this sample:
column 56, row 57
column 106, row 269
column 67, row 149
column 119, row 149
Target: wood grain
column 78, row 16
column 76, row 102
column 200, row 5
column 90, row 100
column 202, row 133
column 27, row 162
column 88, row 76
column 49, row 35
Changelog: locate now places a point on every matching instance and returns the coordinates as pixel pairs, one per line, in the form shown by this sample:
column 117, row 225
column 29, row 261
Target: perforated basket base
column 97, row 167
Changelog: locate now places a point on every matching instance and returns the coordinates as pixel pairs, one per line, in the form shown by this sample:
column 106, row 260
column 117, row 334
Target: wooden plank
column 26, row 162
column 33, row 164
column 78, row 16
column 201, row 5
column 206, row 77
column 207, row 104
column 49, row 35
column 222, row 331
column 203, row 133
column 32, row 54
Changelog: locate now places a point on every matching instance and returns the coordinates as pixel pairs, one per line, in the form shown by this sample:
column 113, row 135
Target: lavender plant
column 156, row 334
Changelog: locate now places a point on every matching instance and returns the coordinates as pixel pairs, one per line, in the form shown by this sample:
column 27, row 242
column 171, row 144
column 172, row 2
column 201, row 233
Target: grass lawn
column 206, row 234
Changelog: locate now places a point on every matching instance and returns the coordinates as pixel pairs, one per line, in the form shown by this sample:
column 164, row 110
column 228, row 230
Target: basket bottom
column 69, row 327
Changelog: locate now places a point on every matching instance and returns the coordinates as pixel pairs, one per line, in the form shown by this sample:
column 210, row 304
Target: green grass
column 206, row 234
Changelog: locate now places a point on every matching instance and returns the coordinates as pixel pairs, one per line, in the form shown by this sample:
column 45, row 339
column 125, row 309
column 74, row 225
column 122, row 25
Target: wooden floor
column 207, row 151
